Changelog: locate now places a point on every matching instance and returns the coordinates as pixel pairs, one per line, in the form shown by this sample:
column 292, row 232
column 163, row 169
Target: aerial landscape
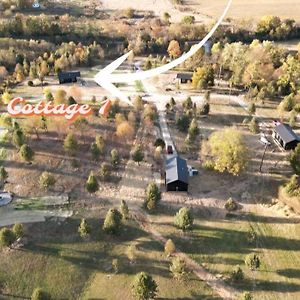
column 149, row 149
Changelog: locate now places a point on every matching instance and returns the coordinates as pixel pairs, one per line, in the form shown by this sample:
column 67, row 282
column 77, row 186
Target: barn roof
column 184, row 76
column 286, row 133
column 66, row 75
column 176, row 169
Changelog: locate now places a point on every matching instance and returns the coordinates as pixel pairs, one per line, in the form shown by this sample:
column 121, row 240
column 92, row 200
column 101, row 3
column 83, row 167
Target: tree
column 251, row 236
column 104, row 171
column 100, row 143
column 125, row 130
column 178, row 268
column 159, row 143
column 148, row 65
column 18, row 230
column 254, row 126
column 95, row 151
column 70, row 144
column 203, row 77
column 287, row 104
column 124, row 210
column 144, row 287
column 7, row 237
column 3, row 175
column 246, row 296
column 183, row 123
column 115, row 157
column 152, row 198
column 294, row 159
column 193, row 130
column 252, row 108
column 252, row 261
column 46, row 180
column 188, row 103
column 174, row 49
column 18, row 138
column 26, row 153
column 113, row 221
column 84, row 229
column 204, row 109
column 293, row 187
column 184, row 219
column 6, row 97
column 227, row 151
column 92, row 185
column 39, row 294
column 43, row 70
column 237, row 274
column 231, row 205
column 60, row 97
column 137, row 154
column 170, row 247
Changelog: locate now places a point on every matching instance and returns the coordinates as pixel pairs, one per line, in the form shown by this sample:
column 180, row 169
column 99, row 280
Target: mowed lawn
column 220, row 245
column 70, row 267
column 255, row 9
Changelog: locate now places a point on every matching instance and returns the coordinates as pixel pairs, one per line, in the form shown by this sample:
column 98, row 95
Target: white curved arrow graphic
column 105, row 78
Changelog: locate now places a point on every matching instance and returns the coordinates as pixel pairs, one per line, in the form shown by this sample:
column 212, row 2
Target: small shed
column 68, row 77
column 284, row 135
column 177, row 176
column 184, row 77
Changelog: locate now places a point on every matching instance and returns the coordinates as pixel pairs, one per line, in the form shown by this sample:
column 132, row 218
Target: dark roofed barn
column 184, row 77
column 68, row 77
column 284, row 135
column 177, row 176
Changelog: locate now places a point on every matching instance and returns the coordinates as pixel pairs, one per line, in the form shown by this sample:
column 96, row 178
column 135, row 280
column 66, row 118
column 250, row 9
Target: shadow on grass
column 290, row 273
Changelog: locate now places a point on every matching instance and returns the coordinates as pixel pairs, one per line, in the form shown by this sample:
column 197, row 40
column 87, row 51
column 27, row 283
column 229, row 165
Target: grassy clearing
column 219, row 245
column 69, row 267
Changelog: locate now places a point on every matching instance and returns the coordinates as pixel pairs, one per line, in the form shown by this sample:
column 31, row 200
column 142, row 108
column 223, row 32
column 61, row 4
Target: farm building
column 177, row 176
column 184, row 77
column 68, row 77
column 284, row 135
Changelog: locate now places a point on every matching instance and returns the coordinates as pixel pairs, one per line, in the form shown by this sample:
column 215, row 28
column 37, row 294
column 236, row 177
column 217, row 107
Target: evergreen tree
column 170, row 247
column 184, row 219
column 237, row 274
column 124, row 210
column 153, row 196
column 70, row 144
column 115, row 158
column 95, row 151
column 46, row 180
column 137, row 154
column 252, row 261
column 100, row 143
column 26, row 153
column 144, row 287
column 92, row 185
column 104, row 171
column 113, row 221
column 84, row 229
column 18, row 230
column 193, row 130
column 178, row 268
column 18, row 138
column 294, row 159
column 7, row 237
column 253, row 126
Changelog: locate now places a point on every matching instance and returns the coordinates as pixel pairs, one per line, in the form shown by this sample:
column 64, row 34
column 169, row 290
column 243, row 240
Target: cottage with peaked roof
column 177, row 175
column 68, row 77
column 184, row 77
column 284, row 135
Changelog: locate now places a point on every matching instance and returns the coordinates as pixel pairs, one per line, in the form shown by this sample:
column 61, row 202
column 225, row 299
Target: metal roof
column 66, row 75
column 286, row 133
column 176, row 169
column 184, row 76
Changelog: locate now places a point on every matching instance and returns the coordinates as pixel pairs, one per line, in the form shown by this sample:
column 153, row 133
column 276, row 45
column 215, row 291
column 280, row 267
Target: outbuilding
column 184, row 77
column 177, row 176
column 68, row 77
column 284, row 135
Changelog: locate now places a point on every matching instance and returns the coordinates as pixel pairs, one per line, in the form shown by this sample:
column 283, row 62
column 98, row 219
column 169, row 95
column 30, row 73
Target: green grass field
column 58, row 260
column 220, row 245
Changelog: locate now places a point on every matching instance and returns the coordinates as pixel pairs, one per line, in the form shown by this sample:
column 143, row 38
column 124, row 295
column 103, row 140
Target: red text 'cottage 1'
column 19, row 107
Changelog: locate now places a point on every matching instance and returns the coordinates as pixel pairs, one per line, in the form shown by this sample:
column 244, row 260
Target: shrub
column 18, row 230
column 204, row 109
column 7, row 237
column 104, row 171
column 160, row 143
column 231, row 205
column 124, row 210
column 30, row 83
column 178, row 268
column 137, row 154
column 170, row 247
column 246, row 296
column 26, row 153
column 293, row 187
column 253, row 126
column 237, row 274
column 294, row 159
column 70, row 144
column 46, row 180
column 84, row 229
column 252, row 261
column 115, row 158
column 39, row 294
column 184, row 219
column 251, row 236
